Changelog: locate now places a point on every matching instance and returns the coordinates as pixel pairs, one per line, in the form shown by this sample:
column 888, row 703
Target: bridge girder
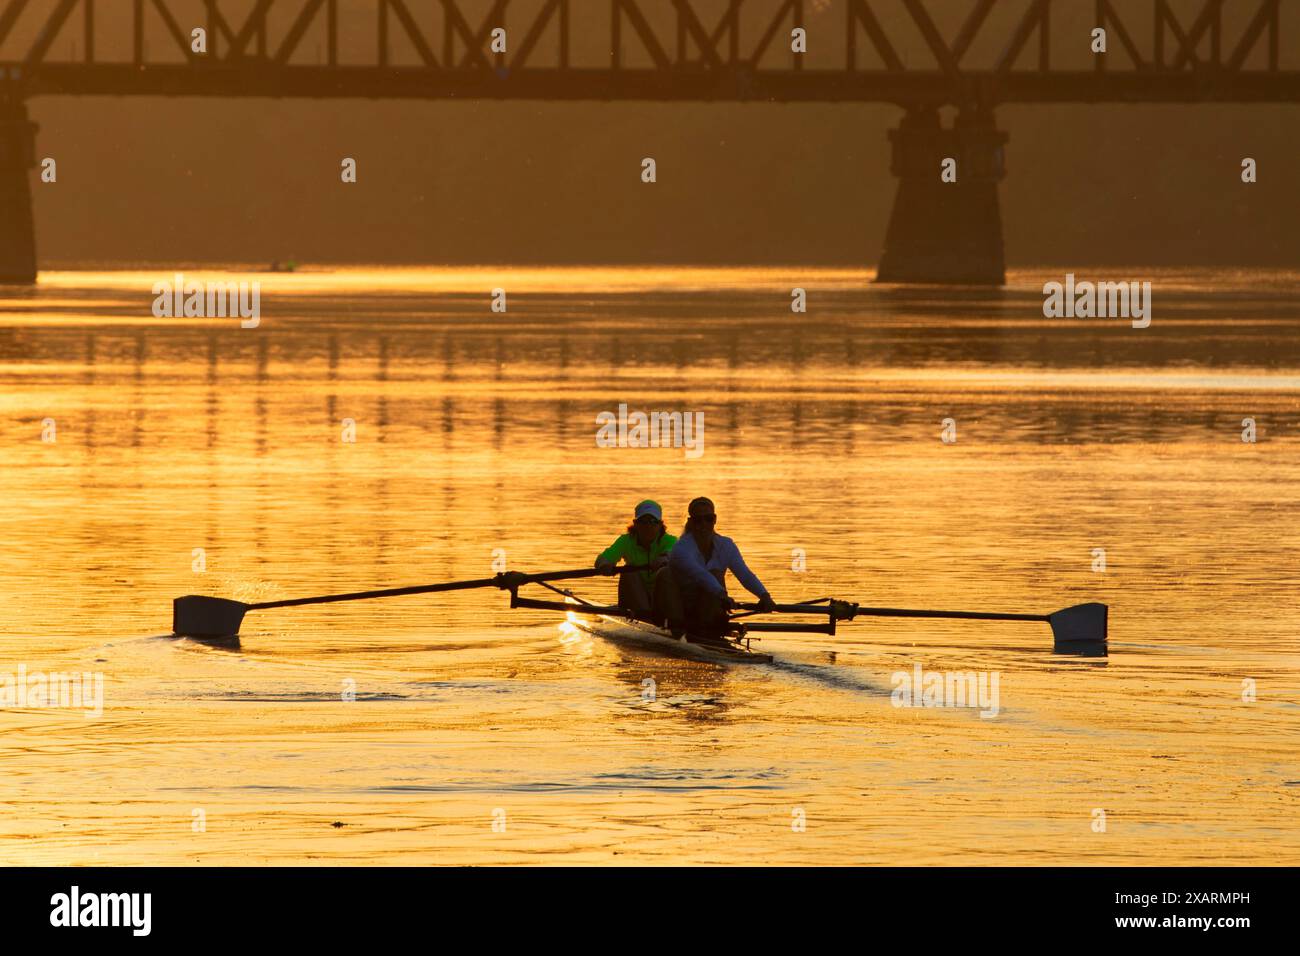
column 678, row 55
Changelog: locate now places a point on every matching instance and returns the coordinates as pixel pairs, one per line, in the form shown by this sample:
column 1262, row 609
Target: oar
column 197, row 615
column 1079, row 630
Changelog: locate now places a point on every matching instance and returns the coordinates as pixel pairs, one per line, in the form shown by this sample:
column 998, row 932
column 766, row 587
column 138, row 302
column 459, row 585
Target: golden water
column 475, row 431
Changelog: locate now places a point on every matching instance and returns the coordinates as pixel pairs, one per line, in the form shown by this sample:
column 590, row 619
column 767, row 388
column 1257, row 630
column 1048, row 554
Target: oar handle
column 788, row 608
column 506, row 579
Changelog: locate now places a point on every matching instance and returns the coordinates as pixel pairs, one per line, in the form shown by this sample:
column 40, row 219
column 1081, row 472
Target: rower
column 646, row 542
column 698, row 566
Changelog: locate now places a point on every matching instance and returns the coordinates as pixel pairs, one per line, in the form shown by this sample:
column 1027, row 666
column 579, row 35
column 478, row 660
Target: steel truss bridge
column 920, row 55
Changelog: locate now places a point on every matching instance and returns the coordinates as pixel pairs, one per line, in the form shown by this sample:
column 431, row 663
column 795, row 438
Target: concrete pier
column 17, row 231
column 945, row 232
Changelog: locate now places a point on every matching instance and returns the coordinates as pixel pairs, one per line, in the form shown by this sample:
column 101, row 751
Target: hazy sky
column 192, row 180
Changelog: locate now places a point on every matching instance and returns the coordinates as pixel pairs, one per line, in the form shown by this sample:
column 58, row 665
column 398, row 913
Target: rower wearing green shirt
column 646, row 542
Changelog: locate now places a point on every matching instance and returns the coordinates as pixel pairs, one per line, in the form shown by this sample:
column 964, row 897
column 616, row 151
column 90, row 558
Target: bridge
column 923, row 56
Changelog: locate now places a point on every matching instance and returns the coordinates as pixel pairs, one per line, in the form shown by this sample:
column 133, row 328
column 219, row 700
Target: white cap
column 649, row 507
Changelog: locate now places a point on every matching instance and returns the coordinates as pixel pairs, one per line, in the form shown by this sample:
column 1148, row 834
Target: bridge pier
column 17, row 231
column 945, row 232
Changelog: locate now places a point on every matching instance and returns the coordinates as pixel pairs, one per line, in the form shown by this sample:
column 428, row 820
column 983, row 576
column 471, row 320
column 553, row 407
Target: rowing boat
column 620, row 629
column 620, row 626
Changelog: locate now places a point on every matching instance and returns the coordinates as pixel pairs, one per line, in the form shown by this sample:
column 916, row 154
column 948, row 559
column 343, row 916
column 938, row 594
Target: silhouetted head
column 700, row 520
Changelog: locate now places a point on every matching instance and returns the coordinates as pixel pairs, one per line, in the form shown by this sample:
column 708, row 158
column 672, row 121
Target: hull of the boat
column 623, row 630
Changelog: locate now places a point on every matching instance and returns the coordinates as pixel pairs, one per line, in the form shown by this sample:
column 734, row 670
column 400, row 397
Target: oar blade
column 1080, row 630
column 196, row 615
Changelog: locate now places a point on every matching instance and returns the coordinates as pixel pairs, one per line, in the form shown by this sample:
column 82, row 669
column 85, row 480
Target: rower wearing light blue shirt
column 699, row 563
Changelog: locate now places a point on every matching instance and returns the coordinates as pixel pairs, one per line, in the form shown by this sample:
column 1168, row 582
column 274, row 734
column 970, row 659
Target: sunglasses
column 705, row 519
column 647, row 519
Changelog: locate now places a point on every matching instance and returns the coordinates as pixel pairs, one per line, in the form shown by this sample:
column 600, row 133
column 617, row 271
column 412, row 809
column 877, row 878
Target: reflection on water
column 412, row 720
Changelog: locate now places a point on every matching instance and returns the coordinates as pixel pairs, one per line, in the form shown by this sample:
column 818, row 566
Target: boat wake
column 828, row 676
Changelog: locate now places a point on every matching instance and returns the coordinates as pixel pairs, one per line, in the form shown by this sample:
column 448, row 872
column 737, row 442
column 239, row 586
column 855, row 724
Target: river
column 381, row 428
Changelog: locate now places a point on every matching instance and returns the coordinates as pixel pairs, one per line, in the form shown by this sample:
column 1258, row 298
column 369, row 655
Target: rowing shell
column 622, row 630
